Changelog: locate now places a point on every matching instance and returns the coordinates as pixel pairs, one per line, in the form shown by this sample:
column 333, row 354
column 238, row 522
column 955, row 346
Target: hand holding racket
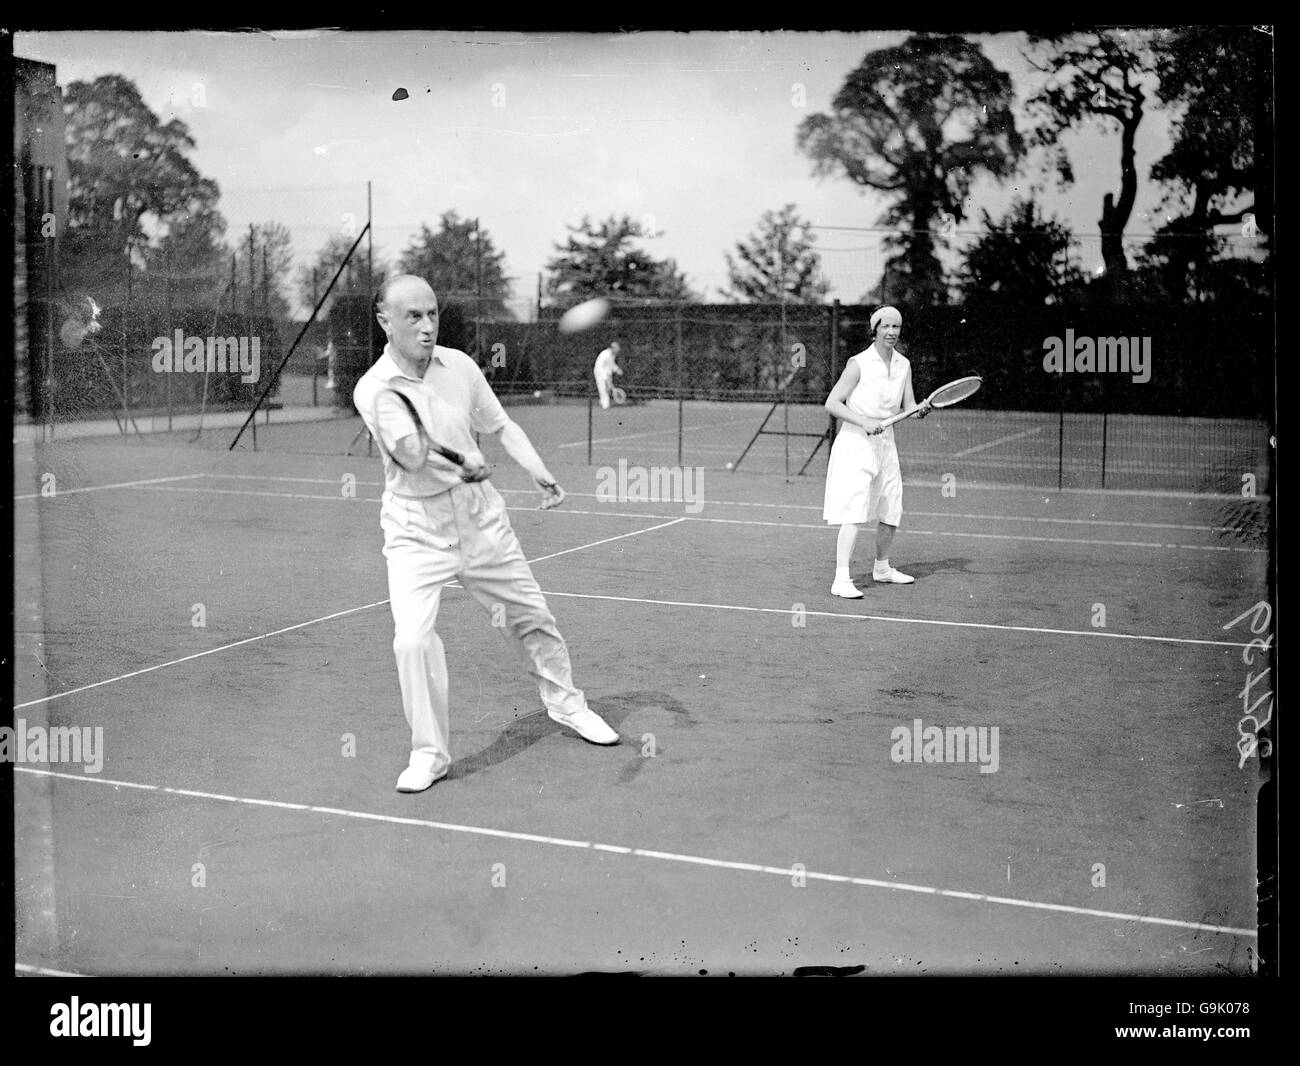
column 471, row 470
column 943, row 396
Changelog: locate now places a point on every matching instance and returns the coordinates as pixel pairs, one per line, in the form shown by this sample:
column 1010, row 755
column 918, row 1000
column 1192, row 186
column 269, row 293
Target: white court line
column 607, row 540
column 196, row 655
column 649, row 433
column 748, row 521
column 666, row 856
column 303, row 625
column 995, row 443
column 100, row 488
column 919, row 483
column 789, row 612
column 940, row 533
column 20, row 967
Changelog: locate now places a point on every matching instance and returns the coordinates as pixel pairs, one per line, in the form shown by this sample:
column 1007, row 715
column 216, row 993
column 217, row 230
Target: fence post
column 680, row 408
column 315, row 362
column 835, row 364
column 126, row 325
column 591, row 403
column 785, row 403
column 48, row 260
column 1060, row 437
column 1105, row 412
column 167, row 296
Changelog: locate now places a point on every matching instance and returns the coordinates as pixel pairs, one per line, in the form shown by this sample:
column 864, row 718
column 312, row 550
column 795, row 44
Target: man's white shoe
column 418, row 777
column 891, row 576
column 588, row 725
column 847, row 590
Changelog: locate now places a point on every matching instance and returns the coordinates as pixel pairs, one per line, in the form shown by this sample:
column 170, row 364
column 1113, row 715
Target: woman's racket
column 450, row 454
column 618, row 395
column 943, row 396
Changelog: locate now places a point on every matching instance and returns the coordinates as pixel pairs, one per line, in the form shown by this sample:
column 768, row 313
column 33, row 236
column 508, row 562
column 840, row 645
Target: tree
column 777, row 263
column 1221, row 152
column 314, row 277
column 600, row 260
column 918, row 122
column 1095, row 77
column 461, row 263
column 1023, row 258
column 129, row 177
column 269, row 271
column 191, row 258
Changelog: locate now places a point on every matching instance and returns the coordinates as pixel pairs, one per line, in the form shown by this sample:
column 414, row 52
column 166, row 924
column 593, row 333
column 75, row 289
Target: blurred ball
column 584, row 316
column 537, row 395
column 731, row 466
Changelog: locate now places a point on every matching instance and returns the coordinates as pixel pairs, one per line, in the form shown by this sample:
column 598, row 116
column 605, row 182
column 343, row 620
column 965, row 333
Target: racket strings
column 955, row 392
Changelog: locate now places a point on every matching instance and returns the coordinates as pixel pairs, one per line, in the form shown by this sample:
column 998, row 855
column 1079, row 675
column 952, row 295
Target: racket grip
column 450, row 454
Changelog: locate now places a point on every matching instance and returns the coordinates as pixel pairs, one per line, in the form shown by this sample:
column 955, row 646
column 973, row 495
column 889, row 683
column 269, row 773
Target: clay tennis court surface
column 753, row 821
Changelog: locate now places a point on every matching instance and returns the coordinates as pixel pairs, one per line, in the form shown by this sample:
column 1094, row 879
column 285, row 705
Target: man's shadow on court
column 524, row 732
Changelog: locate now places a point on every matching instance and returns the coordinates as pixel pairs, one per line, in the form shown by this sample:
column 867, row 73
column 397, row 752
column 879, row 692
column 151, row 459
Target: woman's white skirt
column 863, row 481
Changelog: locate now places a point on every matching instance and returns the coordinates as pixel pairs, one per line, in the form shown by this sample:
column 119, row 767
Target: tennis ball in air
column 584, row 316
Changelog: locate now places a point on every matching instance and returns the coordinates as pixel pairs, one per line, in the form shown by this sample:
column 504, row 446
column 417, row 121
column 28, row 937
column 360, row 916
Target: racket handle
column 450, row 454
column 885, row 423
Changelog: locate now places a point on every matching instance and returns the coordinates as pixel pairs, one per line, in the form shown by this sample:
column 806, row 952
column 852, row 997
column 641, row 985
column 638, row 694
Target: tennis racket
column 618, row 395
column 450, row 454
column 943, row 396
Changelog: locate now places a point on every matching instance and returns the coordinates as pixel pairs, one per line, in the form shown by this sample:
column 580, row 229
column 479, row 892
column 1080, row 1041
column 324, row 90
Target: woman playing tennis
column 863, row 481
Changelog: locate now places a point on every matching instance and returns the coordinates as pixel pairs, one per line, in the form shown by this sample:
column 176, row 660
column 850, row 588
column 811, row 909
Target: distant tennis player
column 863, row 482
column 605, row 369
column 441, row 522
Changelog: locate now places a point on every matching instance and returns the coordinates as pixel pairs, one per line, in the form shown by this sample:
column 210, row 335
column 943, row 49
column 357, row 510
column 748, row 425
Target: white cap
column 891, row 313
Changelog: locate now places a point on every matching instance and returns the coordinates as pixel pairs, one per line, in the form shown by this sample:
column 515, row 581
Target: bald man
column 863, row 481
column 442, row 523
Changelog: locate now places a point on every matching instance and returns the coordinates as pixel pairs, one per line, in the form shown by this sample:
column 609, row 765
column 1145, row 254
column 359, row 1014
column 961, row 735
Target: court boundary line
column 298, row 625
column 802, row 506
column 977, row 486
column 790, row 611
column 101, row 488
column 994, row 443
column 668, row 856
column 740, row 521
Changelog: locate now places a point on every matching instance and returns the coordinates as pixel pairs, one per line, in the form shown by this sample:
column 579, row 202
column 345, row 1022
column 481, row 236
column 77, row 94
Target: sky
column 692, row 133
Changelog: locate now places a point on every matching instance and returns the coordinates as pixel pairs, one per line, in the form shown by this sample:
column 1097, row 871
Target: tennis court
column 755, row 819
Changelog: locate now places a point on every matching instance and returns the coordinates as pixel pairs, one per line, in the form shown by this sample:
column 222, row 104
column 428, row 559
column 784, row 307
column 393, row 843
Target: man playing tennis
column 442, row 522
column 863, row 481
column 605, row 369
